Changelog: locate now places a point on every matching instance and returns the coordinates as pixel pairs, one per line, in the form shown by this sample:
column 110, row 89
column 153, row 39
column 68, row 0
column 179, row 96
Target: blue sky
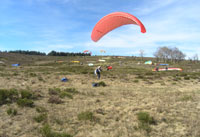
column 66, row 25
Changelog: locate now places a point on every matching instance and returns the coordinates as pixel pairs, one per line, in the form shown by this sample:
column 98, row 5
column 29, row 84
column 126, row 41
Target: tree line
column 166, row 54
column 52, row 53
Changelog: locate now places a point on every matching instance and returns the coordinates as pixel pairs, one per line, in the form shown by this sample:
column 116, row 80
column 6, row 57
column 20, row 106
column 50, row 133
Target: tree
column 141, row 52
column 169, row 54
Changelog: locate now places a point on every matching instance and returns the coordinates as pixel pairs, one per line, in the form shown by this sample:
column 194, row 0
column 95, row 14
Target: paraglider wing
column 112, row 21
column 85, row 51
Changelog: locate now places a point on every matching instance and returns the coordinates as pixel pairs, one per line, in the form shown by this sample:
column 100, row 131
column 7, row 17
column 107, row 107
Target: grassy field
column 131, row 101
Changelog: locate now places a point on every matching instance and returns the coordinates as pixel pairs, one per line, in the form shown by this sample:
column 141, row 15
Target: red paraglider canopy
column 87, row 51
column 112, row 21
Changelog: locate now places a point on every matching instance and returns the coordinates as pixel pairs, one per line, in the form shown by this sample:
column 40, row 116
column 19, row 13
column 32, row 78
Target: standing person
column 157, row 68
column 98, row 72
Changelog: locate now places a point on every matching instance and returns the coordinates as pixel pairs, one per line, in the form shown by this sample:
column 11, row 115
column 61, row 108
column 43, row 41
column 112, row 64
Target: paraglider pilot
column 98, row 72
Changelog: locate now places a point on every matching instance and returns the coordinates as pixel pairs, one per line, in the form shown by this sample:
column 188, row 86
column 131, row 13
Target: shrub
column 11, row 112
column 40, row 118
column 55, row 100
column 186, row 98
column 71, row 90
column 187, row 78
column 3, row 96
column 149, row 73
column 65, row 94
column 46, row 131
column 8, row 96
column 26, row 94
column 54, row 91
column 13, row 94
column 101, row 83
column 33, row 74
column 86, row 116
column 40, row 109
column 145, row 121
column 24, row 102
column 144, row 117
column 140, row 77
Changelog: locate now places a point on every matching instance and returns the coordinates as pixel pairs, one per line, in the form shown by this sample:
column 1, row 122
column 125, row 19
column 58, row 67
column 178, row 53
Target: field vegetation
column 130, row 101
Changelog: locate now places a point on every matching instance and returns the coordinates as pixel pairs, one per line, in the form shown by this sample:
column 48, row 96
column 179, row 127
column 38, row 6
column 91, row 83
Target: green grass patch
column 87, row 115
column 24, row 102
column 11, row 112
column 41, row 118
column 186, row 78
column 145, row 120
column 40, row 109
column 102, row 83
column 46, row 131
column 186, row 98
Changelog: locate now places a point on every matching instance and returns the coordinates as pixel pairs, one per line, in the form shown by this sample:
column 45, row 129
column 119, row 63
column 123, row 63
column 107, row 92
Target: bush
column 40, row 118
column 40, row 109
column 55, row 100
column 101, row 83
column 71, row 90
column 3, row 96
column 11, row 112
column 86, row 116
column 26, row 94
column 186, row 98
column 54, row 91
column 149, row 73
column 145, row 121
column 8, row 96
column 136, row 81
column 65, row 94
column 46, row 131
column 187, row 78
column 24, row 102
column 144, row 117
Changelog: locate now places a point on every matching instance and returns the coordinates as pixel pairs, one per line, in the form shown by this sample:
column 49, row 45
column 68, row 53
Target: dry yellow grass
column 174, row 105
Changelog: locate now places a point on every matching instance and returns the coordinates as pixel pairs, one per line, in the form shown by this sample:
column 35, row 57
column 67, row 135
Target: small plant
column 65, row 94
column 55, row 100
column 46, row 131
column 149, row 73
column 40, row 118
column 33, row 74
column 41, row 79
column 26, row 94
column 145, row 120
column 101, row 83
column 187, row 78
column 136, row 81
column 24, row 102
column 12, row 112
column 54, row 91
column 3, row 96
column 71, row 90
column 40, row 109
column 144, row 117
column 8, row 96
column 140, row 77
column 87, row 115
column 186, row 98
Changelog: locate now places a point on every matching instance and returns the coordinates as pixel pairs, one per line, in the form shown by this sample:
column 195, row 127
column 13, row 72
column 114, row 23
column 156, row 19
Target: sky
column 66, row 25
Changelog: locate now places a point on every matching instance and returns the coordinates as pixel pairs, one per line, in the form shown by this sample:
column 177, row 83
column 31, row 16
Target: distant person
column 98, row 72
column 166, row 68
column 157, row 68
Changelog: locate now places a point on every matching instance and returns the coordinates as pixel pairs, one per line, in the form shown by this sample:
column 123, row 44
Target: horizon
column 66, row 26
